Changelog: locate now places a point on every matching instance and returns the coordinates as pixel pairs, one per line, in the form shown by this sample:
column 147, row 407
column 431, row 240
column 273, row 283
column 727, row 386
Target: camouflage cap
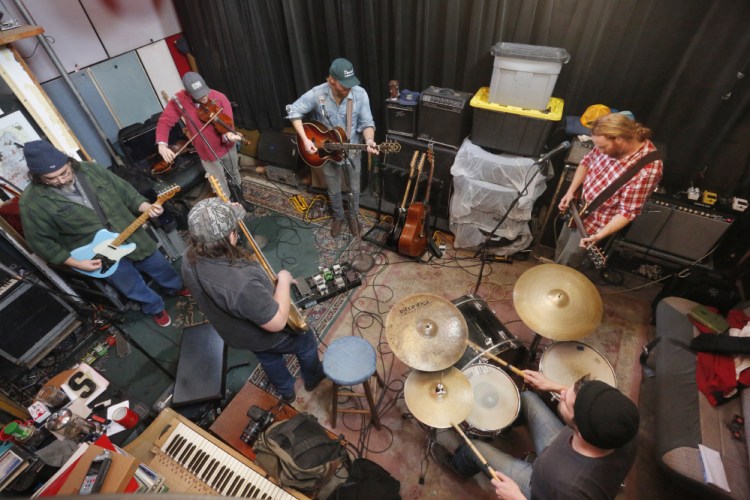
column 212, row 219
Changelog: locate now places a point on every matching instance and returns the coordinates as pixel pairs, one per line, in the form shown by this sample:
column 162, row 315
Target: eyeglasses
column 59, row 177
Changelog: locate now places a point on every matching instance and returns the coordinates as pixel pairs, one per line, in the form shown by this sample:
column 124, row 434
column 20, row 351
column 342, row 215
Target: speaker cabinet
column 394, row 184
column 278, row 149
column 687, row 232
column 400, row 119
column 444, row 156
column 444, row 116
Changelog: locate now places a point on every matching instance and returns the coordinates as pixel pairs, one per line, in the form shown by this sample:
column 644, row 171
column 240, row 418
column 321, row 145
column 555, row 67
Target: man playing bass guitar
column 621, row 144
column 339, row 102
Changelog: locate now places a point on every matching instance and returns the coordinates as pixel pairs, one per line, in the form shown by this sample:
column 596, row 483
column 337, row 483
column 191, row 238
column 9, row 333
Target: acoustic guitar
column 108, row 246
column 399, row 214
column 413, row 240
column 332, row 143
column 594, row 253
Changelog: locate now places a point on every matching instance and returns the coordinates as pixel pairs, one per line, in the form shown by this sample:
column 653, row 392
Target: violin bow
column 182, row 110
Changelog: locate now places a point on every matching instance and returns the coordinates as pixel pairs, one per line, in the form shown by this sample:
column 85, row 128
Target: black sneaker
column 444, row 458
column 315, row 384
column 288, row 399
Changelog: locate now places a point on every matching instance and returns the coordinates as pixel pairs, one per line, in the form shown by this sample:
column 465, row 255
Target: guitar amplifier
column 444, row 116
column 444, row 156
column 401, row 120
column 278, row 149
column 394, row 184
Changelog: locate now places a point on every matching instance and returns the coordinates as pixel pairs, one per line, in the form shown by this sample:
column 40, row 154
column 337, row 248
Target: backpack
column 299, row 453
column 367, row 481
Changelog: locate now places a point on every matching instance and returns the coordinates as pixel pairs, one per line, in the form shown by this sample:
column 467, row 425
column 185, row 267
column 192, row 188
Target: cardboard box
column 119, row 475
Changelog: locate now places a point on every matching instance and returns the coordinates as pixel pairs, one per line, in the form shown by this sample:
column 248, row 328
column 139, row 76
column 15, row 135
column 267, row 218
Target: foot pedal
column 122, row 345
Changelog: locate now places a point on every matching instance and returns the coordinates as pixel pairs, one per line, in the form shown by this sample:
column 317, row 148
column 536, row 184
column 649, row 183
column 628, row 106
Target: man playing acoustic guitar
column 621, row 143
column 339, row 102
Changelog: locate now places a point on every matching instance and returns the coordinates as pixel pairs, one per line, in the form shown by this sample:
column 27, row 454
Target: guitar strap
column 349, row 105
column 620, row 181
column 91, row 194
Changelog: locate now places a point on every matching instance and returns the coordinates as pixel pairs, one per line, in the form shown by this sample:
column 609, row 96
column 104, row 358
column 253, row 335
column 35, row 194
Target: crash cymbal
column 438, row 398
column 426, row 332
column 557, row 302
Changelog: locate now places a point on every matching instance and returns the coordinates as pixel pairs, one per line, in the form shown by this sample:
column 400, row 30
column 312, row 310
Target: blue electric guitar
column 108, row 246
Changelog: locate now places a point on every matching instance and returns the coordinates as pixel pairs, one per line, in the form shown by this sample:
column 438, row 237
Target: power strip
column 328, row 283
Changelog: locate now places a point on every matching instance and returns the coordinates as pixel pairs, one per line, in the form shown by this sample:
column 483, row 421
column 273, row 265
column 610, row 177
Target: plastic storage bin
column 524, row 76
column 510, row 129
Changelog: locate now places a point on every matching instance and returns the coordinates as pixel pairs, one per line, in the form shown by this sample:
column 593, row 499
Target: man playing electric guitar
column 339, row 102
column 622, row 149
column 59, row 214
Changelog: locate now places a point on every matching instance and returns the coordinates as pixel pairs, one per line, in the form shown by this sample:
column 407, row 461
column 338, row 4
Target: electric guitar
column 594, row 253
column 413, row 240
column 399, row 215
column 331, row 144
column 108, row 246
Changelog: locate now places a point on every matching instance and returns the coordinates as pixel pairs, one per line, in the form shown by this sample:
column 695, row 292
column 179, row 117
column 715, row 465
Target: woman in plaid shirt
column 620, row 142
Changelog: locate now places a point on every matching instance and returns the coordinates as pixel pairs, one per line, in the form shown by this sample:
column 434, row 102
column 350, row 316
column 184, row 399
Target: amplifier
column 400, row 119
column 283, row 175
column 444, row 156
column 676, row 228
column 444, row 116
column 394, row 185
column 278, row 148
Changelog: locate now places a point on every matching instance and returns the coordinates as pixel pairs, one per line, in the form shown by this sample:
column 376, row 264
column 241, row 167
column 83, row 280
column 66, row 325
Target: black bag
column 706, row 287
column 367, row 481
column 299, row 453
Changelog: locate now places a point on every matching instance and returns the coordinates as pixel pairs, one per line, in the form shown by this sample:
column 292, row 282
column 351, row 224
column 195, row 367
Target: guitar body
column 100, row 248
column 413, row 239
column 320, row 136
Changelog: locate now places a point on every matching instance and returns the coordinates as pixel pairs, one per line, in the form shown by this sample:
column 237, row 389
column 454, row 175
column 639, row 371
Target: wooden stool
column 350, row 361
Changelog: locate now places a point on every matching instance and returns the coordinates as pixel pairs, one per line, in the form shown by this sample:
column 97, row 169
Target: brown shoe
column 354, row 226
column 336, row 227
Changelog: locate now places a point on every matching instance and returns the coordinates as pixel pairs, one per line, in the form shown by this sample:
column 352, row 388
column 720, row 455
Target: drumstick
column 501, row 361
column 488, row 469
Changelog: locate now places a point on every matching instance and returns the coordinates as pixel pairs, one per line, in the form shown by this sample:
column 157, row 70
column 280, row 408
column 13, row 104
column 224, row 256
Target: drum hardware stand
column 534, row 346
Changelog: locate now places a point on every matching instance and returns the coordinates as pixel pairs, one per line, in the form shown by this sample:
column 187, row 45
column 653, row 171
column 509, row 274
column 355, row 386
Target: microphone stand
column 485, row 245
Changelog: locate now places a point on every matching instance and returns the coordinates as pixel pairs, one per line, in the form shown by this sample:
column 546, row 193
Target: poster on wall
column 15, row 131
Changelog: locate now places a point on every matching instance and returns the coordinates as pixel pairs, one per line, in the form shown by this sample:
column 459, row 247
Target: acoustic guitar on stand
column 332, row 143
column 295, row 320
column 413, row 240
column 399, row 214
column 108, row 247
column 594, row 253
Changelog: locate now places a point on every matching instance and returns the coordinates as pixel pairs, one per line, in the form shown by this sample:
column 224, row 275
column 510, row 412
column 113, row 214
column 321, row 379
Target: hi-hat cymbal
column 438, row 399
column 557, row 302
column 426, row 332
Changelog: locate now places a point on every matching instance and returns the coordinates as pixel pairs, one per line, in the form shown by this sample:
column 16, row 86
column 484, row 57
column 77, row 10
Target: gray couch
column 684, row 418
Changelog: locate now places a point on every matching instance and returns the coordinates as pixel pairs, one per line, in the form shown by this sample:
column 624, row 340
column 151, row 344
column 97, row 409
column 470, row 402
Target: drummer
column 587, row 455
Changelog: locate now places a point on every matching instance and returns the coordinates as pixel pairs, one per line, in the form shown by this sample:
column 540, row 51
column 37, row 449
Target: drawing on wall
column 15, row 131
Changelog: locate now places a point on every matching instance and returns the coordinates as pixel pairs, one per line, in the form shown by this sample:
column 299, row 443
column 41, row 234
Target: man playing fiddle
column 216, row 150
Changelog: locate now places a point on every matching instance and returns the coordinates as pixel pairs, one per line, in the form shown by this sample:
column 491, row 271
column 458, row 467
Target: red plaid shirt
column 626, row 201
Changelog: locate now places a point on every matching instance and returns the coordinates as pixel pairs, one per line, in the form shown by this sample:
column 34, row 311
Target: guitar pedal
column 709, row 197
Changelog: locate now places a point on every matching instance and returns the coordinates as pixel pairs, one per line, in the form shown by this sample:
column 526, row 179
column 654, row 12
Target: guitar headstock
column 389, row 147
column 167, row 193
column 430, row 154
column 421, row 163
column 413, row 163
column 218, row 190
column 597, row 257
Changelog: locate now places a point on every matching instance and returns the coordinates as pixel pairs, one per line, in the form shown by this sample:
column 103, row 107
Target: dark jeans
column 305, row 347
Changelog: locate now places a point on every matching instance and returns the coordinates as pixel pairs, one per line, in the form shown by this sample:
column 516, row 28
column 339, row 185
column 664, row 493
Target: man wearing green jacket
column 58, row 215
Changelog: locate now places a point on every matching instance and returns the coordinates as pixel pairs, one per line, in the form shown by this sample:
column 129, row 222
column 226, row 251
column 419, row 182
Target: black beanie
column 604, row 416
column 43, row 158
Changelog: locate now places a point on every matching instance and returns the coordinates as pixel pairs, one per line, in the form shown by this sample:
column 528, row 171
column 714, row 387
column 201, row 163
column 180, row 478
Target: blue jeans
column 333, row 173
column 305, row 347
column 129, row 282
column 543, row 426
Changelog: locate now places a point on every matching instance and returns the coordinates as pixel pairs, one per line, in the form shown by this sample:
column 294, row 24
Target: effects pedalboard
column 328, row 283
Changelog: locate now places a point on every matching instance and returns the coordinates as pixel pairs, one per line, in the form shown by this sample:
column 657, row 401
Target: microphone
column 560, row 148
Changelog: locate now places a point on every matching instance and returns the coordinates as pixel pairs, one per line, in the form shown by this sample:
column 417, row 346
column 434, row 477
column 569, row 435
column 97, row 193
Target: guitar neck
column 133, row 227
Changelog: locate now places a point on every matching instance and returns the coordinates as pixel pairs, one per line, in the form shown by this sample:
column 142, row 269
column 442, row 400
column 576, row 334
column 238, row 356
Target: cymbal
column 557, row 302
column 438, row 399
column 426, row 332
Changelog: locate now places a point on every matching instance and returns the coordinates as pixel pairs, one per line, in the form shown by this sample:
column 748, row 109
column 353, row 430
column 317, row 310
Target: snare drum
column 486, row 331
column 566, row 362
column 496, row 400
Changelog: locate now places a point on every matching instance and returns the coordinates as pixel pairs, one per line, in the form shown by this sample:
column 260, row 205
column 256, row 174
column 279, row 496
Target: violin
column 222, row 122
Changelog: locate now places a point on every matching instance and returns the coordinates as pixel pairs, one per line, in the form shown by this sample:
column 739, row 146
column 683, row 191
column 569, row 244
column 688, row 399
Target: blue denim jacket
column 309, row 106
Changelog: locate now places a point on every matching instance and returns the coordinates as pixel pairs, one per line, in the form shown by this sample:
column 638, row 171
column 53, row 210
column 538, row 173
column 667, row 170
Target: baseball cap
column 409, row 97
column 212, row 219
column 195, row 85
column 343, row 71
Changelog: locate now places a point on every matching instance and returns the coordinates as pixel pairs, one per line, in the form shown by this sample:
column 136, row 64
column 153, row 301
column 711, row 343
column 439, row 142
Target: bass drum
column 487, row 332
column 496, row 400
column 566, row 362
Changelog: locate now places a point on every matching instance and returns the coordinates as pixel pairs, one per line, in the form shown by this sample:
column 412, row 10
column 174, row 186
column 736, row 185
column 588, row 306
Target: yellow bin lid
column 553, row 112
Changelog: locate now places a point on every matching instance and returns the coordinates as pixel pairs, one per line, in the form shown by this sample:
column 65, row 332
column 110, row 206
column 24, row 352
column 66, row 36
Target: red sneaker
column 184, row 292
column 162, row 319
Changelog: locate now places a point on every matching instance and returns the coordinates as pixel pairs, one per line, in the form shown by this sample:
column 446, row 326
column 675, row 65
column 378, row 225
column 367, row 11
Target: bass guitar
column 594, row 253
column 399, row 215
column 413, row 240
column 331, row 144
column 108, row 246
column 295, row 320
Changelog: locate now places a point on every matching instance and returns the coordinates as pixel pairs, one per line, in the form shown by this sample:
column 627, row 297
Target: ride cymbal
column 440, row 398
column 557, row 302
column 426, row 332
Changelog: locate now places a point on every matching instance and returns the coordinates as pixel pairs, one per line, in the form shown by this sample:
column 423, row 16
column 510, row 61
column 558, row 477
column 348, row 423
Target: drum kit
column 458, row 349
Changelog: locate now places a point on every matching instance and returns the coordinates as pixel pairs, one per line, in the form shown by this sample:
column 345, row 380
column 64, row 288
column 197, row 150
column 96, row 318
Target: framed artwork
column 15, row 131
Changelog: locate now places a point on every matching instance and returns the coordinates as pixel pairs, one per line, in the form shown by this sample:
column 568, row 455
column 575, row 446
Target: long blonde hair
column 618, row 125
